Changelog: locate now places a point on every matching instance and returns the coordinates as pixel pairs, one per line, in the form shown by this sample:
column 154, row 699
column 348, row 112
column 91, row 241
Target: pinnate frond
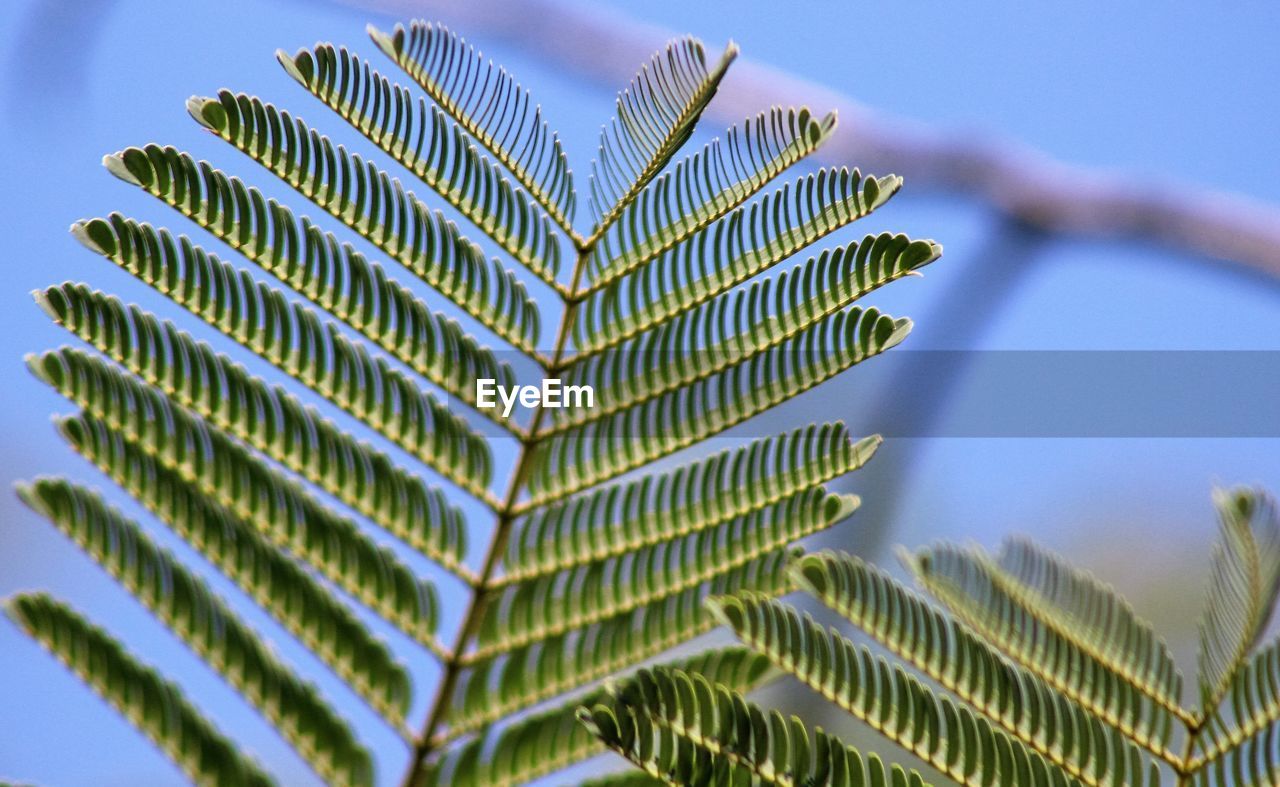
column 548, row 740
column 597, row 452
column 1090, row 612
column 693, row 498
column 490, row 105
column 943, row 650
column 184, row 603
column 267, row 418
column 684, row 730
column 1243, row 587
column 579, row 582
column 964, row 582
column 278, row 507
column 332, row 275
column 656, row 114
column 422, row 139
column 705, row 186
column 158, row 708
column 366, row 199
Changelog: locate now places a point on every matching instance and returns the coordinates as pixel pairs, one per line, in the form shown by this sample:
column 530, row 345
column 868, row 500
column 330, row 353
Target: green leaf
column 184, row 603
column 747, row 242
column 597, row 452
column 705, row 186
column 423, row 140
column 1243, row 588
column 158, row 708
column 579, row 582
column 738, row 327
column 1090, row 613
column 656, row 114
column 693, row 498
column 490, row 105
column 364, row 198
column 949, row 653
column 332, row 275
column 277, row 506
column 284, row 429
column 684, row 730
column 964, row 582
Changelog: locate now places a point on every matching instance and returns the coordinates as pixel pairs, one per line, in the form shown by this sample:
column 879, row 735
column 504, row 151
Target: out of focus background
column 987, row 108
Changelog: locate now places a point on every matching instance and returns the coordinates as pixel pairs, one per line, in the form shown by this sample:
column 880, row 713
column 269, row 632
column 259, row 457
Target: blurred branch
column 966, row 312
column 1023, row 183
column 53, row 44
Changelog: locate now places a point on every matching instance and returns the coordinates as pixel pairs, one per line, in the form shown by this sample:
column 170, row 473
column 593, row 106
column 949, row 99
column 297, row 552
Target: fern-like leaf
column 422, row 139
column 366, row 199
column 158, row 708
column 949, row 737
column 208, row 626
column 490, row 105
column 656, row 114
column 684, row 730
column 548, row 740
column 1243, row 588
column 334, row 276
column 1092, row 613
column 963, row 581
column 1087, row 747
column 578, row 582
column 281, row 510
column 705, row 186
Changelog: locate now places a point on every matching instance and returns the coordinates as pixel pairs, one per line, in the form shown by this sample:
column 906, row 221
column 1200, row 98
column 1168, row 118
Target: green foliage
column 1035, row 673
column 153, row 704
column 582, row 562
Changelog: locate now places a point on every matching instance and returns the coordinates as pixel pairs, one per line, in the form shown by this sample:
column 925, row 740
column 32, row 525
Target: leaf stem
column 507, row 512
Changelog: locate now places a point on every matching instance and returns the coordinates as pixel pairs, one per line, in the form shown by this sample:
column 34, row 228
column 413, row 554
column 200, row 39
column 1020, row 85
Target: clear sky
column 1176, row 91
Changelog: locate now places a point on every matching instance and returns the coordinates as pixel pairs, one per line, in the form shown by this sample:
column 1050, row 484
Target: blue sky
column 1177, row 92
